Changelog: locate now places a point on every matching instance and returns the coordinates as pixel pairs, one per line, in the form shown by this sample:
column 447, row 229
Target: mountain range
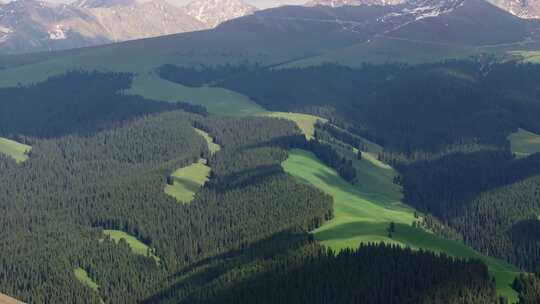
column 218, row 165
column 33, row 25
column 529, row 9
column 424, row 31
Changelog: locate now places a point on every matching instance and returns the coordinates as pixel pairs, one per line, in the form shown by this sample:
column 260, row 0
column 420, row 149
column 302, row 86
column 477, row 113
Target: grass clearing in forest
column 13, row 149
column 85, row 279
column 187, row 181
column 212, row 146
column 136, row 246
column 362, row 216
column 305, row 122
column 524, row 143
column 215, row 100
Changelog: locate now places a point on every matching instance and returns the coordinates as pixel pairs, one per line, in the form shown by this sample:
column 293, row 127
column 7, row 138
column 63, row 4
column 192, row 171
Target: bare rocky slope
column 34, row 25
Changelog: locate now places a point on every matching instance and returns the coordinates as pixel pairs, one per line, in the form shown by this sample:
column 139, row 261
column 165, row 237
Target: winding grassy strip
column 85, row 279
column 212, row 146
column 216, row 100
column 305, row 122
column 14, row 149
column 136, row 246
column 524, row 143
column 527, row 56
column 187, row 181
column 365, row 218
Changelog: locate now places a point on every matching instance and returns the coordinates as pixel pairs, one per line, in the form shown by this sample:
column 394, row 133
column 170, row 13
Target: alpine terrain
column 35, row 25
column 373, row 152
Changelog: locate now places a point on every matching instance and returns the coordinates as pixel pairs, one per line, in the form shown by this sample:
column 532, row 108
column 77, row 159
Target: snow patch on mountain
column 57, row 33
column 214, row 12
column 339, row 3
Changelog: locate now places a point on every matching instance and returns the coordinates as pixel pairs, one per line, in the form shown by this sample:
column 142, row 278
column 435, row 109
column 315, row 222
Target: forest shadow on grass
column 336, row 182
column 188, row 184
column 203, row 272
column 351, row 230
column 245, row 178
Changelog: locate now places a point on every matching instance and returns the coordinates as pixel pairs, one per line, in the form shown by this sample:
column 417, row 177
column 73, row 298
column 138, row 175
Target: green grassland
column 139, row 57
column 383, row 50
column 187, row 181
column 14, row 149
column 524, row 143
column 527, row 56
column 387, row 49
column 216, row 100
column 363, row 213
column 305, row 122
column 212, row 146
column 136, row 246
column 375, row 180
column 83, row 277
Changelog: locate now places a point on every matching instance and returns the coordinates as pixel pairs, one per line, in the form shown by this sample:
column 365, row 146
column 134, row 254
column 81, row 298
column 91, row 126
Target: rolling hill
column 96, row 205
column 300, row 36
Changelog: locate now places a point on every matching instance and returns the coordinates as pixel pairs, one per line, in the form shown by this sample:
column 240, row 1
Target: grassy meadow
column 305, row 122
column 82, row 276
column 216, row 100
column 136, row 246
column 383, row 50
column 524, row 143
column 212, row 146
column 364, row 211
column 14, row 149
column 187, row 181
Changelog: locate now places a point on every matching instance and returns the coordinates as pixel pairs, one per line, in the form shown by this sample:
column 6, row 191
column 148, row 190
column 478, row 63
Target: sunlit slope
column 524, row 143
column 14, row 149
column 187, row 181
column 305, row 122
column 357, row 219
column 136, row 246
column 85, row 279
column 361, row 218
column 212, row 146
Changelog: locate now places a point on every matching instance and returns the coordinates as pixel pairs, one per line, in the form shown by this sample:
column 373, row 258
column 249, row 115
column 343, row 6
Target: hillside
column 37, row 26
column 347, row 35
column 269, row 158
column 360, row 219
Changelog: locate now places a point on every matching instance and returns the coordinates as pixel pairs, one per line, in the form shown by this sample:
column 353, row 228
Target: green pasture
column 13, row 149
column 361, row 217
column 212, row 146
column 136, row 246
column 187, row 181
column 524, row 143
column 305, row 122
column 82, row 276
